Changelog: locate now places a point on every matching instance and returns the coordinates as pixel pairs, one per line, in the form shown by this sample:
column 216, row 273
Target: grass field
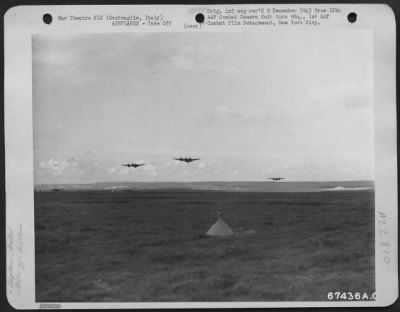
column 150, row 246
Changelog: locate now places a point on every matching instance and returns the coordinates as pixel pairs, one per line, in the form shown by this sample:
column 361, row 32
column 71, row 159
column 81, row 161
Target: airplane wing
column 193, row 159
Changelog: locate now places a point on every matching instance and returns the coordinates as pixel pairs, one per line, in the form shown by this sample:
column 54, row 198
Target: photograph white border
column 21, row 22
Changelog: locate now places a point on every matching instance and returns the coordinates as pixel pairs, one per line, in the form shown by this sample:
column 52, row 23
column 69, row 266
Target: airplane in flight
column 276, row 179
column 187, row 160
column 134, row 165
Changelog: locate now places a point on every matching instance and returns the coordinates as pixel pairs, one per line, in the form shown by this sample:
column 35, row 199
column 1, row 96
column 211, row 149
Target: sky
column 249, row 105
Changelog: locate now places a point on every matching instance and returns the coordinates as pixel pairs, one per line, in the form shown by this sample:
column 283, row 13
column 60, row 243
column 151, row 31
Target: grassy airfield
column 150, row 245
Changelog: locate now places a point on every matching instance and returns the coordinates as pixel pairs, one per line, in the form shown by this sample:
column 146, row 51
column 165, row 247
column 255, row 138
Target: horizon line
column 208, row 181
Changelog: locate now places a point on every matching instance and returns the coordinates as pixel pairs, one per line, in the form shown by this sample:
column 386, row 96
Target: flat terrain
column 150, row 245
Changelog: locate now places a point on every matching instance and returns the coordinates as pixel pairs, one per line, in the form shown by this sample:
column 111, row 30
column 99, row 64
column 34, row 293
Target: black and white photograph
column 203, row 167
column 206, row 166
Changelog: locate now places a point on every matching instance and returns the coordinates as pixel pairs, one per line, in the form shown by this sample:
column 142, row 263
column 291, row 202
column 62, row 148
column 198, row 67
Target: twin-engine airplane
column 276, row 179
column 187, row 160
column 134, row 165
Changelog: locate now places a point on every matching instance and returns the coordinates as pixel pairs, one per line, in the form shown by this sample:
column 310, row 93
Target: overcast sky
column 250, row 105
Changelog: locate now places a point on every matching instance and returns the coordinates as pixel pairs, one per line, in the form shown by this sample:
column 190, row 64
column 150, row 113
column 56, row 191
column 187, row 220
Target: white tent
column 219, row 228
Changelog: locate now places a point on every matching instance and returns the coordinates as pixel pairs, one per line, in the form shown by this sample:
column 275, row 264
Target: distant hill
column 267, row 186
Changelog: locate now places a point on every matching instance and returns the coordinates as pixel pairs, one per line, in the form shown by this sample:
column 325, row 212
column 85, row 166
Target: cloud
column 112, row 170
column 242, row 115
column 151, row 169
column 221, row 109
column 182, row 62
column 230, row 70
column 196, row 56
column 122, row 171
column 286, row 166
column 347, row 95
column 69, row 170
column 57, row 167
